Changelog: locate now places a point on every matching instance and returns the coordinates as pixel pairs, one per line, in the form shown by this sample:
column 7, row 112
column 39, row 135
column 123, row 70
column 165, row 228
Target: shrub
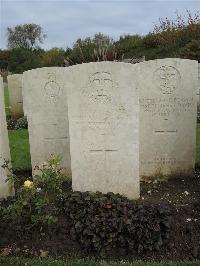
column 11, row 122
column 21, row 60
column 21, row 123
column 34, row 201
column 198, row 113
column 101, row 222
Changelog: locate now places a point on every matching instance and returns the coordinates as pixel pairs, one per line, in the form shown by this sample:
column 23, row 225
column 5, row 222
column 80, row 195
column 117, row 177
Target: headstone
column 45, row 104
column 198, row 86
column 5, row 189
column 134, row 60
column 167, row 117
column 103, row 110
column 15, row 95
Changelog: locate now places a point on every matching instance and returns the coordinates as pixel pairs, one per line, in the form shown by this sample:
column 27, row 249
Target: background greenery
column 179, row 37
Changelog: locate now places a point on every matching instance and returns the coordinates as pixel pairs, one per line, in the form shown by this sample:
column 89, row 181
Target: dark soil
column 183, row 195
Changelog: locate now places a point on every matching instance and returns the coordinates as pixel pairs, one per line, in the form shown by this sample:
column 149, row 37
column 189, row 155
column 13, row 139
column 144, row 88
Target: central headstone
column 45, row 104
column 103, row 113
column 5, row 189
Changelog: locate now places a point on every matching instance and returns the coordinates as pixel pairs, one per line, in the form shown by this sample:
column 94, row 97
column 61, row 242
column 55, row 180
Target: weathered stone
column 45, row 104
column 5, row 189
column 15, row 95
column 167, row 116
column 103, row 112
column 198, row 86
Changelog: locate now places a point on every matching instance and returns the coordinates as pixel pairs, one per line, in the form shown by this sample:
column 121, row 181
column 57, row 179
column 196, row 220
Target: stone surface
column 103, row 111
column 198, row 87
column 15, row 95
column 45, row 105
column 5, row 189
column 167, row 116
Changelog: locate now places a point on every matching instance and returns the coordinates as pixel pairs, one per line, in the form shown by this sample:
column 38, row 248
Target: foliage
column 180, row 22
column 4, row 57
column 21, row 123
column 169, row 38
column 27, row 36
column 98, row 48
column 177, row 37
column 33, row 204
column 53, row 57
column 19, row 261
column 10, row 122
column 101, row 222
column 191, row 50
column 22, row 60
column 198, row 112
column 130, row 46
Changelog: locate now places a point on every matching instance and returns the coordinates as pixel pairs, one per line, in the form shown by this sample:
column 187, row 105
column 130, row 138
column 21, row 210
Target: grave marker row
column 89, row 114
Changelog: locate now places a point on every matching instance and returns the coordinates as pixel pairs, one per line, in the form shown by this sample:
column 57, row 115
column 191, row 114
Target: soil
column 183, row 195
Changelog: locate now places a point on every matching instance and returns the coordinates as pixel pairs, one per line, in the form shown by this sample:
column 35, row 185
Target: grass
column 20, row 150
column 6, row 99
column 10, row 261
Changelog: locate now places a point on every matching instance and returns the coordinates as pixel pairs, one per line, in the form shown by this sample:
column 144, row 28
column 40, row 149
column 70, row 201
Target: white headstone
column 103, row 110
column 15, row 95
column 45, row 104
column 198, row 86
column 167, row 116
column 5, row 189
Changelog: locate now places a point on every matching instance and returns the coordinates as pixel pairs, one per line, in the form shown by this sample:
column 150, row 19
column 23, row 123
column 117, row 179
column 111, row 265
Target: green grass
column 11, row 261
column 20, row 150
column 6, row 99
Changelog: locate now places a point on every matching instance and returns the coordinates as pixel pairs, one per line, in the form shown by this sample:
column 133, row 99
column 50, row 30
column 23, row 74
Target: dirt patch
column 183, row 195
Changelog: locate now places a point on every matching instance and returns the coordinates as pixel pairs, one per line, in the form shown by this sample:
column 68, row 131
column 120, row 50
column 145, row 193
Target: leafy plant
column 34, row 201
column 21, row 123
column 198, row 113
column 101, row 222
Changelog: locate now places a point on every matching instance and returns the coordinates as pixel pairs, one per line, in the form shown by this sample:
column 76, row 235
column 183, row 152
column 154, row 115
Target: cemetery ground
column 180, row 197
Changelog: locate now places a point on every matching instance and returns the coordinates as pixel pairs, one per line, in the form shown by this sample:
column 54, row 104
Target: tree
column 53, row 57
column 102, row 41
column 191, row 50
column 22, row 60
column 27, row 36
column 99, row 48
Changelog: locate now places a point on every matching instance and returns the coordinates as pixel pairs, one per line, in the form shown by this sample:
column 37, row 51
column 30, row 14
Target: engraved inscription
column 52, row 89
column 165, row 106
column 164, row 161
column 100, row 87
column 100, row 158
column 61, row 138
column 166, row 131
column 166, row 79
